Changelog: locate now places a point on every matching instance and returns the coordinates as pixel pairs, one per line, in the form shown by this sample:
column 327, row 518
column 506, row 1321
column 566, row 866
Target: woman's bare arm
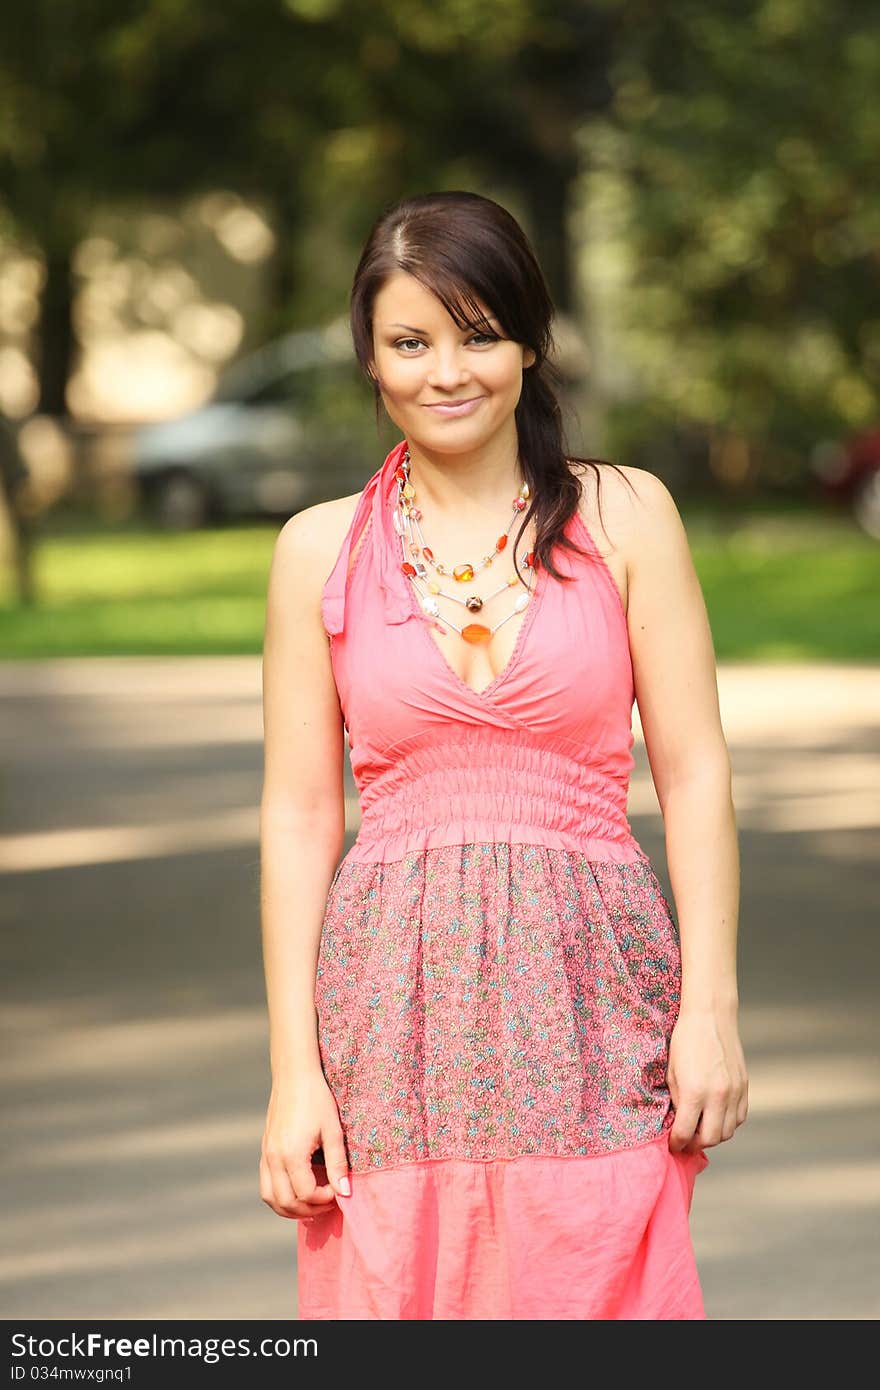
column 302, row 811
column 302, row 831
column 677, row 692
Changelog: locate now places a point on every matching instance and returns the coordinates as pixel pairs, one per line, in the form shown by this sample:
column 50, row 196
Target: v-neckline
column 525, row 626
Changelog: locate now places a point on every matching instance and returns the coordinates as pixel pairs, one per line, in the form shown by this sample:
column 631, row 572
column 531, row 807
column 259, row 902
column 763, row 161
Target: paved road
column 134, row 1024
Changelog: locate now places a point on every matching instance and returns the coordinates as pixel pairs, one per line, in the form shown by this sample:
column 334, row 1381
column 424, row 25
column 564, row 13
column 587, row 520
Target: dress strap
column 334, row 593
column 377, row 501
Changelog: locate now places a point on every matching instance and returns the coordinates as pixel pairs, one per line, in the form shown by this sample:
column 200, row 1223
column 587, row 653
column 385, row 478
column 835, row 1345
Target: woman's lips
column 455, row 408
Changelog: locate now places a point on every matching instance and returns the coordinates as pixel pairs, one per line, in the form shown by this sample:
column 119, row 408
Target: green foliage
column 778, row 586
column 723, row 154
column 733, row 185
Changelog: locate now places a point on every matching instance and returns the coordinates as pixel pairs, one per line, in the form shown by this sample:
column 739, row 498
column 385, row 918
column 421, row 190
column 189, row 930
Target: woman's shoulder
column 634, row 503
column 316, row 533
column 309, row 542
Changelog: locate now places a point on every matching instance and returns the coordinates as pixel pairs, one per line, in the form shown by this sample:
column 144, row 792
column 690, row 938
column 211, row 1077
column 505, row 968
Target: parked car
column 289, row 425
column 849, row 473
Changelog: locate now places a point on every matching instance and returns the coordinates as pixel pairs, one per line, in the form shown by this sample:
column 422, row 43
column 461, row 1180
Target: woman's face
column 422, row 359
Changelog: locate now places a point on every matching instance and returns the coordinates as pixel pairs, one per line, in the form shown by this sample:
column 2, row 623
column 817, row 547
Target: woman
column 496, row 1064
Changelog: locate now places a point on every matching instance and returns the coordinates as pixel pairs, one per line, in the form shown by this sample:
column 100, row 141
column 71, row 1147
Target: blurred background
column 185, row 188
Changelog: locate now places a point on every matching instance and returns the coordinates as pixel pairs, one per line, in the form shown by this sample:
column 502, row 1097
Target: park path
column 133, row 1016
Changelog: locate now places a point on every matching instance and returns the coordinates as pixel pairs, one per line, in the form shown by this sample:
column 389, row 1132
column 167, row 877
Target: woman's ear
column 529, row 358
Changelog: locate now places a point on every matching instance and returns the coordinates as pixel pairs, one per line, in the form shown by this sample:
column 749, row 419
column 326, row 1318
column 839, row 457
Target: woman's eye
column 408, row 342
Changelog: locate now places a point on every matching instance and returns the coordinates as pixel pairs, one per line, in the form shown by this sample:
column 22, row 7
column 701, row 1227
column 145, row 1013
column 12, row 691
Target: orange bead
column 501, row 543
column 463, row 573
column 408, row 569
column 476, row 634
column 428, row 554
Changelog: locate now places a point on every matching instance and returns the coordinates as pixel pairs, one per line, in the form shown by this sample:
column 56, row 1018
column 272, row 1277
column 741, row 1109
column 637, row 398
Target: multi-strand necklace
column 407, row 519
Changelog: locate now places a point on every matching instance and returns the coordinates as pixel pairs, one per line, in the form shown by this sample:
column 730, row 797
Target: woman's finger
column 742, row 1108
column 301, row 1177
column 275, row 1192
column 284, row 1203
column 712, row 1121
column 336, row 1162
column 686, row 1120
column 728, row 1128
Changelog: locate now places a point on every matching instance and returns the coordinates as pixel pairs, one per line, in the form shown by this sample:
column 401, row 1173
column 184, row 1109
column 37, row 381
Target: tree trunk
column 56, row 332
column 284, row 282
column 548, row 190
column 12, row 476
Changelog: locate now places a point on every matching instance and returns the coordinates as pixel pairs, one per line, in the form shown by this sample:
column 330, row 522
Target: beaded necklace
column 407, row 518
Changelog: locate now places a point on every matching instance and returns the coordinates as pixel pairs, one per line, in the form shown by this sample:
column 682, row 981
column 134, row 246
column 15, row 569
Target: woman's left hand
column 707, row 1079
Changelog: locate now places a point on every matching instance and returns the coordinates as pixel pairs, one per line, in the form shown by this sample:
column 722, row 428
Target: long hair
column 463, row 247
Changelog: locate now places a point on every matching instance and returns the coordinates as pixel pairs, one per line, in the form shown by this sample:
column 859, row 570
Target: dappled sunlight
column 195, row 1220
column 137, row 376
column 161, row 304
column 786, row 1024
column 60, row 849
column 109, row 1049
column 64, row 849
column 810, row 1080
column 139, row 1144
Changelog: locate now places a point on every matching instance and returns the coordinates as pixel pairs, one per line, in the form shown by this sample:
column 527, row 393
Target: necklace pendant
column 474, row 603
column 476, row 634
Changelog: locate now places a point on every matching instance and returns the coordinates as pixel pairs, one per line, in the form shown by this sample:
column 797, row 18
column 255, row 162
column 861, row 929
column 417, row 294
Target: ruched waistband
column 465, row 789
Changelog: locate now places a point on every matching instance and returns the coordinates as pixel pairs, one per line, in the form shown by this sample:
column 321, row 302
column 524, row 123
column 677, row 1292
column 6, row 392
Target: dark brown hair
column 463, row 247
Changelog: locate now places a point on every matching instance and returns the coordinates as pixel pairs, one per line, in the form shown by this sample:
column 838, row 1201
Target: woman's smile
column 455, row 408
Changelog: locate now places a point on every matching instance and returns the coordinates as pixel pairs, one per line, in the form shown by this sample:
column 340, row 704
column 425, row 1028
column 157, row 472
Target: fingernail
column 345, row 1187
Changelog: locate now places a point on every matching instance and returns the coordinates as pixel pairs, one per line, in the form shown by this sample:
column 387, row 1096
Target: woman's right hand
column 302, row 1117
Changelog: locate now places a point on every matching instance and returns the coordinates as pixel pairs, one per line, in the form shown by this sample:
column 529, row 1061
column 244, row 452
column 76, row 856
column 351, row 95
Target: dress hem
column 658, row 1139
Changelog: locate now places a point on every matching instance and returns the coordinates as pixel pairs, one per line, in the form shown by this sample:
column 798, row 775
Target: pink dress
column 499, row 971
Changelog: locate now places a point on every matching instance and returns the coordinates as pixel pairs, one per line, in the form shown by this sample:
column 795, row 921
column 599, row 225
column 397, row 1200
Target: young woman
column 497, row 1061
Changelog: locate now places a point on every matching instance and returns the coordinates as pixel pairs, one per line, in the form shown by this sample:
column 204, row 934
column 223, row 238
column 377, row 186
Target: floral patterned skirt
column 494, row 1022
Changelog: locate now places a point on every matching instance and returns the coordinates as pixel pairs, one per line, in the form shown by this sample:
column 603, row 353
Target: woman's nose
column 447, row 368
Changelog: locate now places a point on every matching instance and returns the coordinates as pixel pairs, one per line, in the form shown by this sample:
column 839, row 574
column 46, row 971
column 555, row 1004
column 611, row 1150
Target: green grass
column 778, row 586
column 789, row 587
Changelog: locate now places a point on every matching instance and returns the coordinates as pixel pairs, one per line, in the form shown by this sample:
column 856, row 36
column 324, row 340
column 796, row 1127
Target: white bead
column 521, row 603
column 431, row 606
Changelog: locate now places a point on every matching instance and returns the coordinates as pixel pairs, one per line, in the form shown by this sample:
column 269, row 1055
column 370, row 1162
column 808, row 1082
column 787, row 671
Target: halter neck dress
column 499, row 971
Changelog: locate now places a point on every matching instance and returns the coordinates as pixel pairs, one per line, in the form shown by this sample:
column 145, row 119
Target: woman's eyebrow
column 410, row 329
